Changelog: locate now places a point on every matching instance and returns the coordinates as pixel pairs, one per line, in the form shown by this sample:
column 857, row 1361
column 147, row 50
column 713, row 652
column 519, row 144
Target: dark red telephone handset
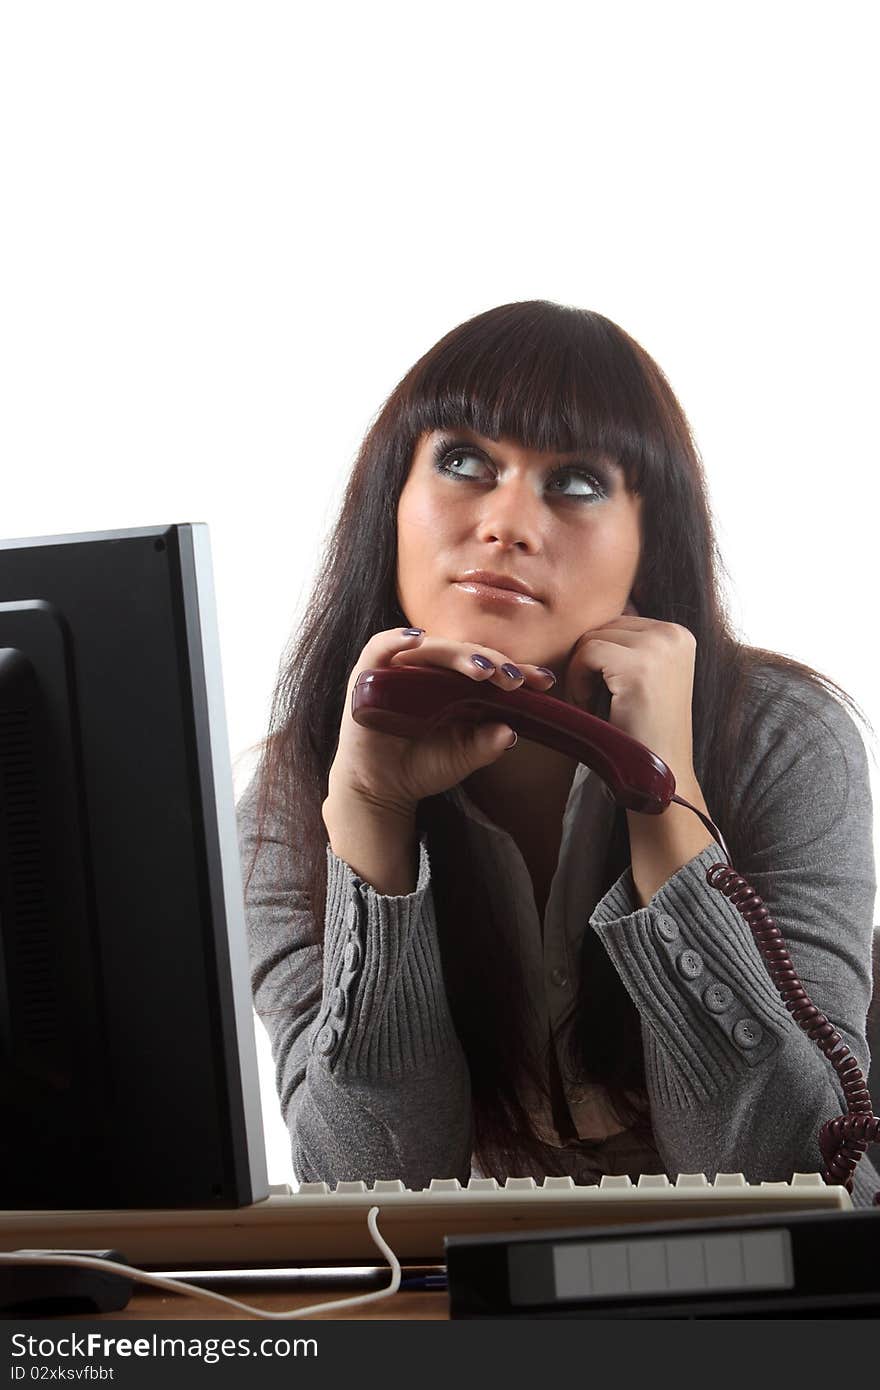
column 427, row 697
column 412, row 701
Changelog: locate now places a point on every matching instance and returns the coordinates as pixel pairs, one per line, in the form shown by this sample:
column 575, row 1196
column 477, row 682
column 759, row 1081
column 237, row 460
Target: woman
column 467, row 957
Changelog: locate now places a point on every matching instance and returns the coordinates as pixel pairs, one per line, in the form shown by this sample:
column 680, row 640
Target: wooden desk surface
column 155, row 1305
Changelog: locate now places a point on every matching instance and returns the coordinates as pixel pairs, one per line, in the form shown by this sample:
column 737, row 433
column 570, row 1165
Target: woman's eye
column 448, row 460
column 590, row 487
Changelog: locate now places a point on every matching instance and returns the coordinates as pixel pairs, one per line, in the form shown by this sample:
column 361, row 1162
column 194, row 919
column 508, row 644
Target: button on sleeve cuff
column 384, row 996
column 682, row 958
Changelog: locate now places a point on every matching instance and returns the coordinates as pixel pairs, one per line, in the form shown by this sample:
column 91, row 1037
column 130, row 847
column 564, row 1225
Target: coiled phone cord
column 843, row 1140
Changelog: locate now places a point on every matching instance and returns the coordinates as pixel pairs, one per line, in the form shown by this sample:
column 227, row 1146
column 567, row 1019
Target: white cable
column 193, row 1290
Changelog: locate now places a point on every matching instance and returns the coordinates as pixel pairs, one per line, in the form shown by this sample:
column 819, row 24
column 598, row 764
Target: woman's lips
column 489, row 593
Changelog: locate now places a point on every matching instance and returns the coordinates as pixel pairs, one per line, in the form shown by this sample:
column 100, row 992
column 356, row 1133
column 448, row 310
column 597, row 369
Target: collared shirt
column 550, row 952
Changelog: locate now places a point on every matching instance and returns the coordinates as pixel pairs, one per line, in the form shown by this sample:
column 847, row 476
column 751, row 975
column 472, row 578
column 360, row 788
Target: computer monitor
column 128, row 1070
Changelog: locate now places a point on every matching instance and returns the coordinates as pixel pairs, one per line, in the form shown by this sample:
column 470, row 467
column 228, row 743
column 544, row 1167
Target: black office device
column 56, row 1291
column 808, row 1264
column 128, row 1073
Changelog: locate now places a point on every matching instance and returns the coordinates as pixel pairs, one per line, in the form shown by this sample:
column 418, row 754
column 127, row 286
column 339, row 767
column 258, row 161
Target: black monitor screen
column 128, row 1072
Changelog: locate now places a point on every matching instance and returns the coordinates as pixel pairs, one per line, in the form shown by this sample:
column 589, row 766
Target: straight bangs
column 553, row 378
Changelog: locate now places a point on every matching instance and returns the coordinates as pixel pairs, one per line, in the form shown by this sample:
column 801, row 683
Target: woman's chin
column 512, row 651
column 499, row 632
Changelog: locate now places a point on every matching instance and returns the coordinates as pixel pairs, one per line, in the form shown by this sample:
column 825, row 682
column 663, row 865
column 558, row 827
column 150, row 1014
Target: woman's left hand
column 648, row 667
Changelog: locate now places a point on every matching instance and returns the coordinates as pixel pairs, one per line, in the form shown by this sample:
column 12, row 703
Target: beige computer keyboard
column 318, row 1223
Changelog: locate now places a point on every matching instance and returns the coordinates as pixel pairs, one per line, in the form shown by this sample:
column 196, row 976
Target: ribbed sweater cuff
column 384, row 1011
column 680, row 958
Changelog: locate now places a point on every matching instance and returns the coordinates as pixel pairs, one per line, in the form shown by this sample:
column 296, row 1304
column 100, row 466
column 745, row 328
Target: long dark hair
column 554, row 378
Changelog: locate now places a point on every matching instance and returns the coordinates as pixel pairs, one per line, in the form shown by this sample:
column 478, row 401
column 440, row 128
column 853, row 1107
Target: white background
column 228, row 229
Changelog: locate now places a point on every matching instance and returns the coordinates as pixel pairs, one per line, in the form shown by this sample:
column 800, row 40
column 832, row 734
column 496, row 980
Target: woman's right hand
column 393, row 774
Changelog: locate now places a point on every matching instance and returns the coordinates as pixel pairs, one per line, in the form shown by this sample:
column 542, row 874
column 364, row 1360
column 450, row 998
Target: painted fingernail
column 545, row 671
column 513, row 671
column 413, row 631
column 483, row 664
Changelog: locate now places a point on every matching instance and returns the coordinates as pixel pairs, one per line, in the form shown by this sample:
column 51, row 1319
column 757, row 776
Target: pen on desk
column 316, row 1277
column 427, row 1281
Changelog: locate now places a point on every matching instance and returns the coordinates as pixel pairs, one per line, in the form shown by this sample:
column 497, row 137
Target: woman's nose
column 511, row 514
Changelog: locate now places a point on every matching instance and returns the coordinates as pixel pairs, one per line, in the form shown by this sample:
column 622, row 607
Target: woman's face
column 564, row 525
